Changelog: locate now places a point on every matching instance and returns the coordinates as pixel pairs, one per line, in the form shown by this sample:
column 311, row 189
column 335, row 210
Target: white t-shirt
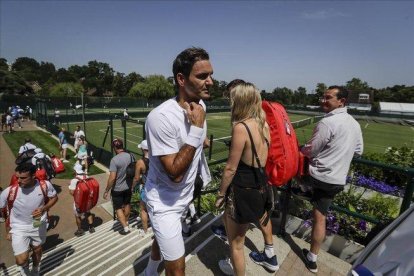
column 78, row 134
column 39, row 155
column 26, row 147
column 27, row 200
column 167, row 128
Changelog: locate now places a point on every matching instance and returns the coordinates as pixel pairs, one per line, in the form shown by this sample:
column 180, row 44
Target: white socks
column 269, row 250
column 312, row 257
column 126, row 228
column 24, row 270
column 192, row 209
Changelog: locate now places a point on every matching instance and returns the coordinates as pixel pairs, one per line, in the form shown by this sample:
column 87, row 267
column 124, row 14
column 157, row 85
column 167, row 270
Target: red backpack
column 57, row 164
column 283, row 158
column 13, row 194
column 86, row 194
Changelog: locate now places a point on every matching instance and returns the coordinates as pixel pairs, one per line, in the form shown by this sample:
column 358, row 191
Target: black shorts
column 121, row 198
column 323, row 194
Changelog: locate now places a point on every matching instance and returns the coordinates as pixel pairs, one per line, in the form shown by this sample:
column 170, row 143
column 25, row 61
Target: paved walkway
column 61, row 213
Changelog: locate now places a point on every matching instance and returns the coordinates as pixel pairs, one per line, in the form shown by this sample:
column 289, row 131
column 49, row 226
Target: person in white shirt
column 336, row 139
column 28, row 216
column 80, row 174
column 26, row 146
column 77, row 135
column 176, row 131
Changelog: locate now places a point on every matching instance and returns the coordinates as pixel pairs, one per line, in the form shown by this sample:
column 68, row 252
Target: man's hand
column 105, row 195
column 195, row 114
column 37, row 213
column 8, row 236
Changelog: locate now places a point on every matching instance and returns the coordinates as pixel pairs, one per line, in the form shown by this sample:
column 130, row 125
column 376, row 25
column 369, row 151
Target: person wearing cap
column 80, row 174
column 141, row 172
column 176, row 131
column 26, row 146
column 119, row 185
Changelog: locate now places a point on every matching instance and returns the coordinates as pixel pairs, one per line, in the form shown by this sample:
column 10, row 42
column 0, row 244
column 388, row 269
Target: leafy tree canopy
column 154, row 87
column 66, row 89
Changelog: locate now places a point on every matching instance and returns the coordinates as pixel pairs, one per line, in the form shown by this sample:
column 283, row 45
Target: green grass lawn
column 377, row 136
column 49, row 145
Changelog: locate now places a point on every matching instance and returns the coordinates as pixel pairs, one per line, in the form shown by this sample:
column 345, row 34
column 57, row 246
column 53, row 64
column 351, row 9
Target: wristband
column 194, row 136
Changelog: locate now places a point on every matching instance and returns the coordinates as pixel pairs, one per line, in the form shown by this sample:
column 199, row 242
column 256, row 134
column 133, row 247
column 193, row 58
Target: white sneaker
column 65, row 161
column 141, row 232
column 226, row 267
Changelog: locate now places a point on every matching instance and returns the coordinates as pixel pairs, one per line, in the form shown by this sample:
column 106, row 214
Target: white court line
column 366, row 125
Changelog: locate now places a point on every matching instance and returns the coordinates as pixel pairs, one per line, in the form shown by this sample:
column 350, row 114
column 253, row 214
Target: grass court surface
column 377, row 136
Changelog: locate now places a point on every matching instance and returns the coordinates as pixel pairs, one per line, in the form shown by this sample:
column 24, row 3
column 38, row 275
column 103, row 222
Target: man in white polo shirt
column 335, row 141
column 28, row 204
column 176, row 131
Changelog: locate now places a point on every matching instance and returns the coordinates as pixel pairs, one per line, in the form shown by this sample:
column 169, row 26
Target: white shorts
column 21, row 240
column 64, row 146
column 167, row 230
column 76, row 144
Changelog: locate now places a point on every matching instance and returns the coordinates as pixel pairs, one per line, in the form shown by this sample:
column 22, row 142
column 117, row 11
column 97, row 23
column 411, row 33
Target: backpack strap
column 43, row 187
column 253, row 146
column 11, row 197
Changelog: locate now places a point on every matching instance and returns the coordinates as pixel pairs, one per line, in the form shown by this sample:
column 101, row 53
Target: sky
column 269, row 43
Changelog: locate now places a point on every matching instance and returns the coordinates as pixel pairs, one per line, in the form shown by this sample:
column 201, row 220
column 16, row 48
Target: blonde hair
column 246, row 103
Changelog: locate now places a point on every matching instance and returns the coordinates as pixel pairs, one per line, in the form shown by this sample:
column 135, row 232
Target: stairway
column 106, row 252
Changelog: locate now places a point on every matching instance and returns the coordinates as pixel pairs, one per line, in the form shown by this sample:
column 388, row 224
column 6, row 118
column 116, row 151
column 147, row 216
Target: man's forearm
column 182, row 162
column 52, row 201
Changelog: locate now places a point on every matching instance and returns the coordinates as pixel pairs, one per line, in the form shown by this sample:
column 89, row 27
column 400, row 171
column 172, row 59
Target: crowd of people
column 173, row 170
column 15, row 115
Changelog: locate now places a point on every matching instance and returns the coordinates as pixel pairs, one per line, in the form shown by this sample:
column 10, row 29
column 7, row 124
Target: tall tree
column 119, row 85
column 356, row 84
column 13, row 83
column 47, row 71
column 131, row 79
column 283, row 95
column 66, row 89
column 299, row 96
column 3, row 64
column 154, row 87
column 99, row 75
column 27, row 67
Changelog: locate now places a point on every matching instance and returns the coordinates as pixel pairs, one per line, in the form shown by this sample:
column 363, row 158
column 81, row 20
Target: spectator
column 141, row 172
column 28, row 217
column 82, row 154
column 244, row 189
column 120, row 185
column 9, row 122
column 80, row 174
column 26, row 146
column 176, row 131
column 63, row 145
column 77, row 135
column 57, row 117
column 335, row 141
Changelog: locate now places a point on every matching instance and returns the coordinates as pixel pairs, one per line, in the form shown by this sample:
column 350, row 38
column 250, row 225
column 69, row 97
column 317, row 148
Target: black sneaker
column 220, row 232
column 309, row 264
column 79, row 233
column 195, row 220
column 186, row 235
column 260, row 258
column 91, row 229
column 123, row 232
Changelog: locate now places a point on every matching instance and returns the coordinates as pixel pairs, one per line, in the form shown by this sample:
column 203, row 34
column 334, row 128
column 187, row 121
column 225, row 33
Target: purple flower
column 376, row 185
column 362, row 225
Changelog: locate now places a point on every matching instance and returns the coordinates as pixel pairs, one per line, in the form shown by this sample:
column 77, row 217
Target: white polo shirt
column 167, row 129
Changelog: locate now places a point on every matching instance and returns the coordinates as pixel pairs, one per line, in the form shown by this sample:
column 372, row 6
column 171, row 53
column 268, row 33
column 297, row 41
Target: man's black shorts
column 323, row 194
column 121, row 198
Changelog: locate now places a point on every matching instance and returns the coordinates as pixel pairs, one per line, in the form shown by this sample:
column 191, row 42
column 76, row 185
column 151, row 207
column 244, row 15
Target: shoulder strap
column 253, row 146
column 43, row 187
column 12, row 196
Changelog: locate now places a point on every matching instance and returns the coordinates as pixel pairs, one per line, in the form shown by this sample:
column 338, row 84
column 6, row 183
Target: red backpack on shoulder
column 283, row 157
column 86, row 194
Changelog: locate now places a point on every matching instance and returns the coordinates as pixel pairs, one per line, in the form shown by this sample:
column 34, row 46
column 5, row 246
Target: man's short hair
column 27, row 140
column 342, row 91
column 26, row 167
column 234, row 83
column 117, row 143
column 185, row 60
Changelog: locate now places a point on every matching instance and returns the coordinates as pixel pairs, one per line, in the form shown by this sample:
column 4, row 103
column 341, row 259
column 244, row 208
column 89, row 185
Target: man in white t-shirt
column 176, row 131
column 27, row 146
column 28, row 216
column 77, row 135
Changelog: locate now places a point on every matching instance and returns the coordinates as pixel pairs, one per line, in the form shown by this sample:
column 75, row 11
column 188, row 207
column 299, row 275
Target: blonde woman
column 244, row 188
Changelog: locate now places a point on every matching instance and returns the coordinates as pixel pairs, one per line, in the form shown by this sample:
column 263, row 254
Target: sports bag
column 46, row 164
column 25, row 156
column 283, row 158
column 86, row 194
column 57, row 164
column 130, row 170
